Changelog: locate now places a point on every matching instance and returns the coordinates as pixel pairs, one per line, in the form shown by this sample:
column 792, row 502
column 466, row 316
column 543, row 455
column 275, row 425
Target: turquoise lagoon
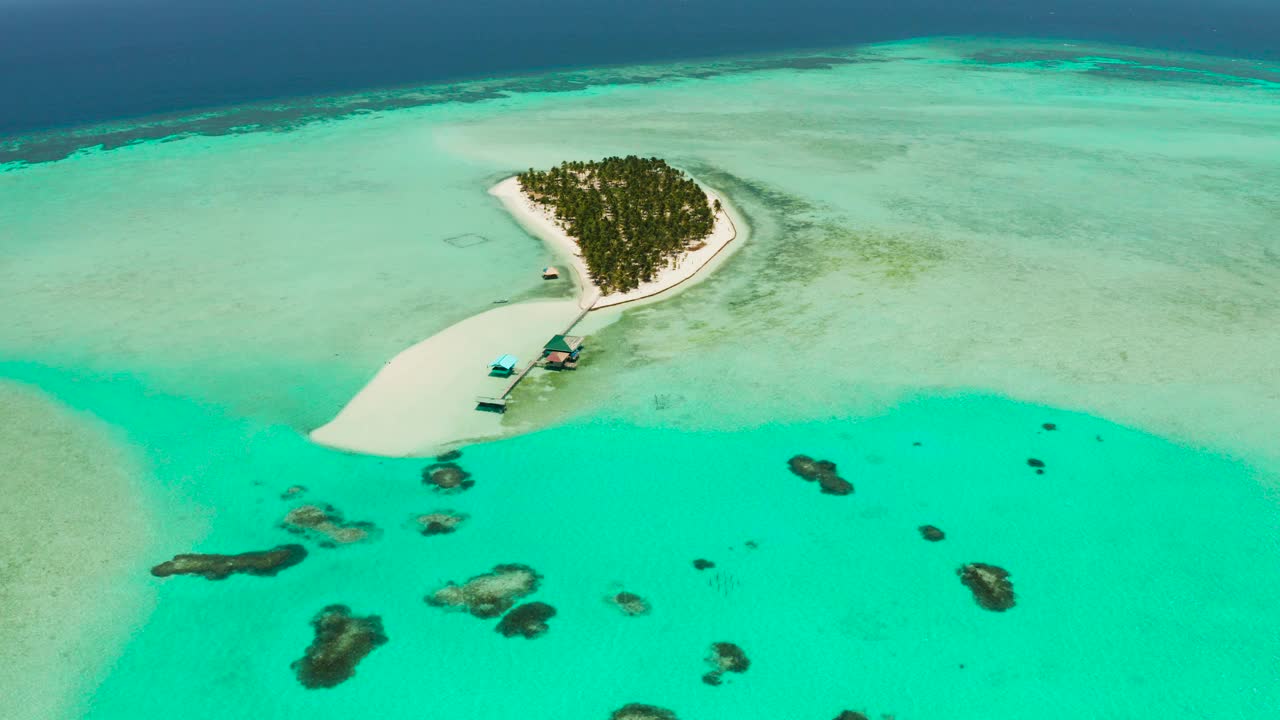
column 953, row 243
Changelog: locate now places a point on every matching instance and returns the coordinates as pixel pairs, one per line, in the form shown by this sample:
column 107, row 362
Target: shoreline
column 541, row 223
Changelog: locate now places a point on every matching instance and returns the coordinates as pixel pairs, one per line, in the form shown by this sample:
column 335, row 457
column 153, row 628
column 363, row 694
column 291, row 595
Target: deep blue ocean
column 73, row 62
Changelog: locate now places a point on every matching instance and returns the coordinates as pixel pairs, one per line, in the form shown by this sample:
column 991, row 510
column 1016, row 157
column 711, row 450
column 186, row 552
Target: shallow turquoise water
column 1143, row 570
column 924, row 224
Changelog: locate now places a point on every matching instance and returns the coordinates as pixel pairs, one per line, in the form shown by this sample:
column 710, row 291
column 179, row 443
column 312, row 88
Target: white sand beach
column 541, row 222
column 423, row 400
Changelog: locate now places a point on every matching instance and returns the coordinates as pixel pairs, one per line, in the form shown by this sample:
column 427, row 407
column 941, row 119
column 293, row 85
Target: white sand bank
column 73, row 546
column 541, row 222
column 423, row 400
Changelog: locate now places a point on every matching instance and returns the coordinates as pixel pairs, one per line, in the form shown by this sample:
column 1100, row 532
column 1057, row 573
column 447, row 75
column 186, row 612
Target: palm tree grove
column 631, row 216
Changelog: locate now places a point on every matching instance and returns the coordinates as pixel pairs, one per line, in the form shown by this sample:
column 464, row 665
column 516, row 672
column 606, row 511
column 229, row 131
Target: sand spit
column 541, row 222
column 424, row 399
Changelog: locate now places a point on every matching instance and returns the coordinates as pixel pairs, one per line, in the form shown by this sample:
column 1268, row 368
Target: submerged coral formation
column 447, row 477
column 703, row 564
column 725, row 657
column 440, row 522
column 449, row 456
column 325, row 524
column 823, row 471
column 528, row 620
column 488, row 595
column 293, row 491
column 931, row 533
column 851, row 715
column 341, row 642
column 990, row 585
column 640, row 711
column 217, row 567
column 630, row 603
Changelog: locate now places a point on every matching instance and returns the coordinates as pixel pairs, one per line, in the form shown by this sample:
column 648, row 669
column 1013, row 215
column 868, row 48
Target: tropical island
column 630, row 216
column 630, row 227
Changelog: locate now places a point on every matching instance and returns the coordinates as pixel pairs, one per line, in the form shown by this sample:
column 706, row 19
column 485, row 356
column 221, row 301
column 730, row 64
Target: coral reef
column 341, row 642
column 823, row 471
column 488, row 595
column 528, row 620
column 701, row 564
column 324, row 523
column 440, row 522
column 448, row 477
column 851, row 715
column 1049, row 426
column 217, row 567
column 931, row 533
column 449, row 456
column 630, row 603
column 640, row 711
column 292, row 492
column 990, row 585
column 725, row 657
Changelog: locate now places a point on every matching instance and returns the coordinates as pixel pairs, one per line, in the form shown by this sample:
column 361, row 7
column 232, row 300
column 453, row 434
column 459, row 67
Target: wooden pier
column 499, row 402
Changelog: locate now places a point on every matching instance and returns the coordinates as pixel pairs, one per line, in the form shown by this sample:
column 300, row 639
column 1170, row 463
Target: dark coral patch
column 217, row 567
column 447, row 477
column 341, row 642
column 528, row 620
column 488, row 595
column 851, row 715
column 293, row 491
column 931, row 533
column 640, row 711
column 701, row 564
column 990, row 585
column 440, row 522
column 725, row 657
column 325, row 524
column 1049, row 426
column 835, row 485
column 449, row 456
column 630, row 603
column 822, row 471
column 1033, row 462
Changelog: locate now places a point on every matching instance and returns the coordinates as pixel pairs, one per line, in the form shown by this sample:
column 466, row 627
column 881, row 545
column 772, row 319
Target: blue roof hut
column 504, row 365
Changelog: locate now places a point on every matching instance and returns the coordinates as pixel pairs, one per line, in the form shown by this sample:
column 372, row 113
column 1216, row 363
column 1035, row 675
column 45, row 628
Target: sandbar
column 423, row 400
column 73, row 551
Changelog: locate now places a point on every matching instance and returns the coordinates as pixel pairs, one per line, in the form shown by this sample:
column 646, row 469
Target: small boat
column 501, row 302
